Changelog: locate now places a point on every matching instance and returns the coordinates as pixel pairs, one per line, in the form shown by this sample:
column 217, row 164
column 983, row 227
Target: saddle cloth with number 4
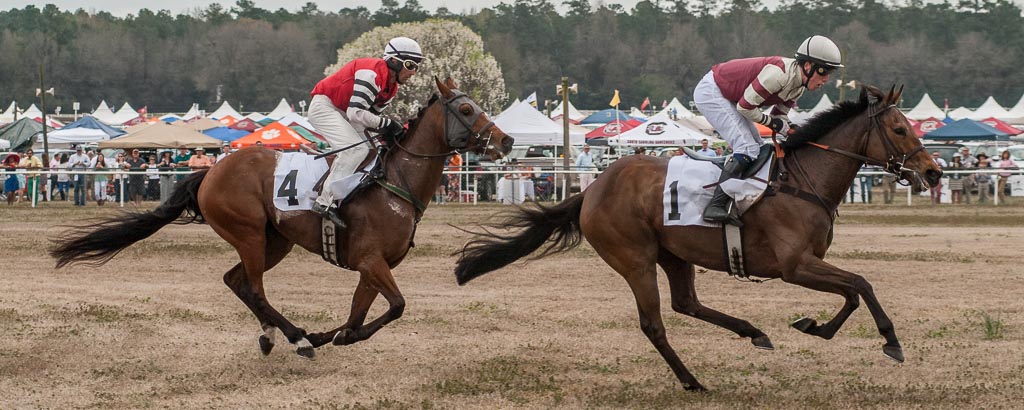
column 685, row 195
column 297, row 173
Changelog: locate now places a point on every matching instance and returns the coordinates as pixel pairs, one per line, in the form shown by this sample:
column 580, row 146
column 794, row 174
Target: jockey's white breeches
column 332, row 124
column 734, row 128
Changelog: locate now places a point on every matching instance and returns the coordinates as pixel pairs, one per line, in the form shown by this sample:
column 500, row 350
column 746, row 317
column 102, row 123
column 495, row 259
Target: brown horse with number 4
column 786, row 235
column 235, row 198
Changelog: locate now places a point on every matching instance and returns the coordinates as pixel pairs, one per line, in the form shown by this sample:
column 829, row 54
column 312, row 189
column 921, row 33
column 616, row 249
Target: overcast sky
column 123, row 7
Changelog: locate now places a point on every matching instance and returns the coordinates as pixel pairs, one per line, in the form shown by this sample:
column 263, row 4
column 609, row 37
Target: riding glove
column 391, row 129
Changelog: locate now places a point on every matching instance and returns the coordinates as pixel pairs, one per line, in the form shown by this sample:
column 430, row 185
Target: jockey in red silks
column 351, row 100
column 733, row 93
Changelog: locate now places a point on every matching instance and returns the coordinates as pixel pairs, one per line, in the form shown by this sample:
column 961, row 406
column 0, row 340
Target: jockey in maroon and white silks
column 733, row 94
column 351, row 100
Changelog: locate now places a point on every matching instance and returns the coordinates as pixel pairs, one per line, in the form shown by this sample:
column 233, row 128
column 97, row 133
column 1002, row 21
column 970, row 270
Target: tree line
column 961, row 51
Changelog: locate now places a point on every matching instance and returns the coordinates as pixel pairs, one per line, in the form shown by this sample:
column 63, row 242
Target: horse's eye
column 466, row 109
column 900, row 131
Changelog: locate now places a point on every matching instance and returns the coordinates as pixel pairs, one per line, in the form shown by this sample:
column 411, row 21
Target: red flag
column 142, row 111
column 664, row 103
column 945, row 103
column 647, row 101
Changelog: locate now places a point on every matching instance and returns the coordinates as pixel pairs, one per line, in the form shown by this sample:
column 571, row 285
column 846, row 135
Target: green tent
column 21, row 133
column 320, row 143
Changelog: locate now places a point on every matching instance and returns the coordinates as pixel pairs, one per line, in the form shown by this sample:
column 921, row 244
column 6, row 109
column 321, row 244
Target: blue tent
column 89, row 122
column 967, row 130
column 226, row 133
column 606, row 116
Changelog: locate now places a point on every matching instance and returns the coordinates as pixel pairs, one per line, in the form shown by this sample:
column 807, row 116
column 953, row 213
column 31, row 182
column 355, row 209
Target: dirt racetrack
column 156, row 327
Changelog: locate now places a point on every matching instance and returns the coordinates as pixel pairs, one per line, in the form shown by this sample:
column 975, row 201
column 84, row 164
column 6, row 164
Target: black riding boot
column 720, row 208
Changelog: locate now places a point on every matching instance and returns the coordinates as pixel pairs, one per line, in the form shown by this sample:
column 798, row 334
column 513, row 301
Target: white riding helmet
column 403, row 48
column 820, row 50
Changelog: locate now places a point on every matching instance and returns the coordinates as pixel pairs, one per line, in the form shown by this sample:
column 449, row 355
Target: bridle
column 459, row 139
column 894, row 161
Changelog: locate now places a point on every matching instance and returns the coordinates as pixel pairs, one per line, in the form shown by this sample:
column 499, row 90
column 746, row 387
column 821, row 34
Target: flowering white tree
column 451, row 50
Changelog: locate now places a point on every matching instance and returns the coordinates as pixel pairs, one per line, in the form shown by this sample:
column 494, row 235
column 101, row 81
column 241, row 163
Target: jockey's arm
column 769, row 81
column 364, row 94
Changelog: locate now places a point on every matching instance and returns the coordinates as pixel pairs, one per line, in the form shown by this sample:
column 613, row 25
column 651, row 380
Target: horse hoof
column 265, row 345
column 762, row 342
column 804, row 324
column 696, row 388
column 894, row 353
column 305, row 349
column 343, row 337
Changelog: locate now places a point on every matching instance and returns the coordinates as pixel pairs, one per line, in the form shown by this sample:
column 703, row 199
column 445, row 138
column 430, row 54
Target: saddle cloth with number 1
column 685, row 195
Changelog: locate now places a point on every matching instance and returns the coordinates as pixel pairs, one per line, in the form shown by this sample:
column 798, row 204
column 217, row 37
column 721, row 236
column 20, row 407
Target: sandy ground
column 156, row 327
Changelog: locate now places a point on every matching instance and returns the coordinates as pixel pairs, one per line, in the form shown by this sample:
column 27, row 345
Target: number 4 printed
column 288, row 189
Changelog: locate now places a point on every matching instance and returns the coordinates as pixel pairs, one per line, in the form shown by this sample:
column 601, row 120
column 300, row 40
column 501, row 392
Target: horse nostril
column 507, row 142
column 933, row 176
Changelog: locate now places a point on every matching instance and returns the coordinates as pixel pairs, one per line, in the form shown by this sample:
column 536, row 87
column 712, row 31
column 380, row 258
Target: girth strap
column 806, row 196
column 401, row 193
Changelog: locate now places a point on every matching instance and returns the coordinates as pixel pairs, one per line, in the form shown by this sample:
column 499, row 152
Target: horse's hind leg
column 684, row 300
column 238, row 282
column 813, row 273
column 636, row 263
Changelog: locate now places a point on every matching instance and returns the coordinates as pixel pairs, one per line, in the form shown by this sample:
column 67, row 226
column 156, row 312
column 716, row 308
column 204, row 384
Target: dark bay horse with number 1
column 786, row 235
column 235, row 198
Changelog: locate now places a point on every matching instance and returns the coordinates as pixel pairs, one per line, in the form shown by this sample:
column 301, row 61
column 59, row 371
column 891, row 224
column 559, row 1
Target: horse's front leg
column 814, row 273
column 362, row 299
column 377, row 275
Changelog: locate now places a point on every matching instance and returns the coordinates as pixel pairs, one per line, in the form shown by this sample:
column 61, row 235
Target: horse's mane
column 820, row 124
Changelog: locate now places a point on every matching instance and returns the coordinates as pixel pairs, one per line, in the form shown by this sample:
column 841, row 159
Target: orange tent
column 227, row 120
column 274, row 135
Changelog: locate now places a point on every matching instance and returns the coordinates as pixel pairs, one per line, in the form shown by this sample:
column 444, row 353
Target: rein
column 893, row 163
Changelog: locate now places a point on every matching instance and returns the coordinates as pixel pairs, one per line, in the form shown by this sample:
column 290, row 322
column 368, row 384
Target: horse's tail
column 96, row 243
column 491, row 251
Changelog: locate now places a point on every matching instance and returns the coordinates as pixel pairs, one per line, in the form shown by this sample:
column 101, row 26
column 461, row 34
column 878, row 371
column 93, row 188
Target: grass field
column 156, row 327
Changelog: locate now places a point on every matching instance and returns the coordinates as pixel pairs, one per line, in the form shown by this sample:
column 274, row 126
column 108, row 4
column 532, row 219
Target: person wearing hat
column 79, row 161
column 351, row 100
column 969, row 162
column 181, row 159
column 733, row 95
column 11, row 185
column 225, row 150
column 984, row 181
column 137, row 179
column 200, row 160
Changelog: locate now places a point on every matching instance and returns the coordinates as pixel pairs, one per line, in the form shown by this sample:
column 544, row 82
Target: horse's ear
column 889, row 96
column 446, row 92
column 450, row 83
column 899, row 95
column 864, row 94
column 874, row 92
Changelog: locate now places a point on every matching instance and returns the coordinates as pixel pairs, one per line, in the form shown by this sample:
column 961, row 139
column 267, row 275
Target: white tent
column 698, row 123
column 530, row 127
column 8, row 115
column 294, row 117
column 32, row 112
column 574, row 114
column 125, row 114
column 659, row 130
column 960, row 113
column 281, row 110
column 80, row 135
column 682, row 111
column 255, row 116
column 105, row 114
column 925, row 109
column 1017, row 113
column 226, row 110
column 167, row 117
column 989, row 109
column 193, row 112
column 514, row 104
column 636, row 113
